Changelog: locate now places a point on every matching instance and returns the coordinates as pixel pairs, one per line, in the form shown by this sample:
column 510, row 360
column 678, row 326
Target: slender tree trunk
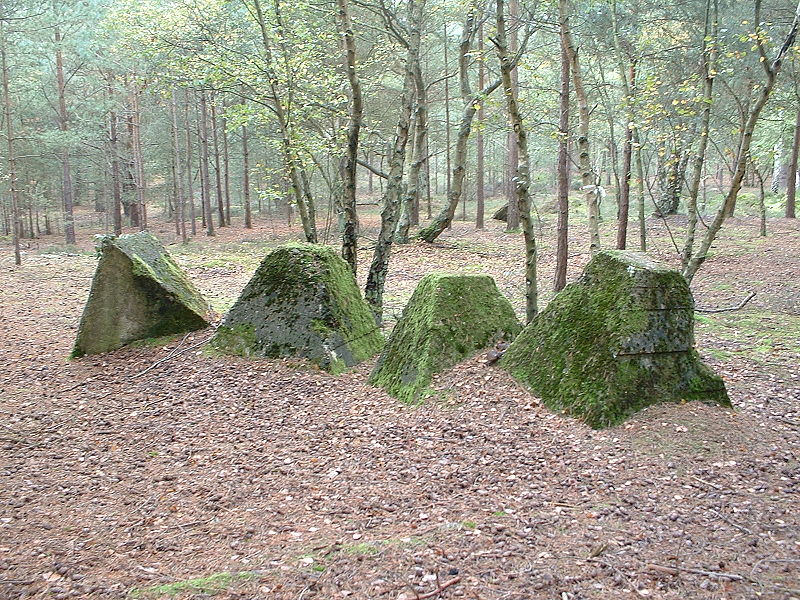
column 640, row 192
column 589, row 180
column 226, row 171
column 180, row 202
column 708, row 68
column 63, row 125
column 418, row 158
column 771, row 68
column 217, row 168
column 628, row 87
column 791, row 178
column 480, row 150
column 11, row 155
column 523, row 172
column 512, row 214
column 447, row 109
column 205, row 183
column 350, row 230
column 297, row 175
column 562, row 235
column 248, row 217
column 762, row 208
column 471, row 104
column 376, row 278
column 189, row 174
column 116, row 180
column 138, row 156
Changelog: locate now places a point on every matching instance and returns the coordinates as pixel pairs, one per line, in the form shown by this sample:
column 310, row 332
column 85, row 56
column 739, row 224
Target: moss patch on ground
column 207, row 586
column 138, row 292
column 302, row 301
column 448, row 318
column 618, row 340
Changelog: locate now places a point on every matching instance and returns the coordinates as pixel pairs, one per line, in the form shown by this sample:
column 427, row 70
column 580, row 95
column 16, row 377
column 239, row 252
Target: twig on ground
column 712, row 574
column 72, row 387
column 171, row 355
column 439, row 589
column 600, row 561
column 708, row 483
column 739, row 306
column 731, row 523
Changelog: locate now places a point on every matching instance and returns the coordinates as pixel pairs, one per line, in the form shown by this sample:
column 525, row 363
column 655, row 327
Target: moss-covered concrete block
column 138, row 292
column 447, row 319
column 302, row 301
column 619, row 339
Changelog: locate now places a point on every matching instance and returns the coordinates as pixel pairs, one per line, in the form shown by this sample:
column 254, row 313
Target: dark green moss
column 448, row 318
column 619, row 339
column 302, row 301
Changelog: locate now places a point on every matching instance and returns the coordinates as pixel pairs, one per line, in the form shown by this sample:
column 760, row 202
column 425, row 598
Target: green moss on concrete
column 302, row 301
column 619, row 339
column 138, row 292
column 448, row 318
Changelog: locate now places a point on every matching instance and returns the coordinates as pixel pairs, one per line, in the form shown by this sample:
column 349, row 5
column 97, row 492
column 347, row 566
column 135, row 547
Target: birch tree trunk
column 113, row 151
column 480, row 150
column 471, row 104
column 512, row 214
column 522, row 178
column 562, row 228
column 419, row 151
column 297, row 175
column 350, row 229
column 708, row 67
column 771, row 69
column 376, row 278
column 588, row 178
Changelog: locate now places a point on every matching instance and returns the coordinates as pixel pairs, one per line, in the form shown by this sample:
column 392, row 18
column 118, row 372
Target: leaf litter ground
column 158, row 471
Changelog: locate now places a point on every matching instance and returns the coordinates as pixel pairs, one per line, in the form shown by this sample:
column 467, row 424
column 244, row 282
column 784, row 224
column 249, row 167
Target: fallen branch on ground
column 439, row 590
column 712, row 574
column 175, row 353
column 739, row 306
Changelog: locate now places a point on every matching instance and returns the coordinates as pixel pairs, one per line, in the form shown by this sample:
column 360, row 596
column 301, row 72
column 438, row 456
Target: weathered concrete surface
column 302, row 301
column 501, row 214
column 619, row 339
column 138, row 292
column 448, row 318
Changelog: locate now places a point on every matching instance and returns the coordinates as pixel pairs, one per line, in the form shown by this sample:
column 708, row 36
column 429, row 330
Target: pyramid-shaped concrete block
column 448, row 318
column 619, row 339
column 302, row 301
column 138, row 292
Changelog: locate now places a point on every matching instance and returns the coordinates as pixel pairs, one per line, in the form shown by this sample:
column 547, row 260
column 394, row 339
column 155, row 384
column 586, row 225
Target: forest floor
column 153, row 471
